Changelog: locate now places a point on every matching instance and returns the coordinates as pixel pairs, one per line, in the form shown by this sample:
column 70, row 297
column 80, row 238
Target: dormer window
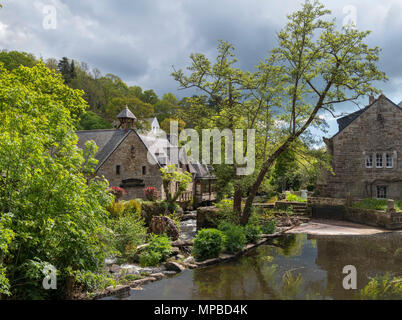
column 389, row 160
column 378, row 160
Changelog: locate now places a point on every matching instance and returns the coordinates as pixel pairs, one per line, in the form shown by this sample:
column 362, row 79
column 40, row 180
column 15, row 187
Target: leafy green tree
column 14, row 59
column 166, row 107
column 149, row 96
column 51, row 211
column 314, row 68
column 174, row 182
column 91, row 121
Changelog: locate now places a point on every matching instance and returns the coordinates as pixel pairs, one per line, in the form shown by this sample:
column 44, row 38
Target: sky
column 140, row 41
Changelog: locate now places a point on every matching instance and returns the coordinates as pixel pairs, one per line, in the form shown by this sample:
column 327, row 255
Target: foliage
column 14, row 59
column 159, row 249
column 129, row 232
column 118, row 192
column 172, row 177
column 92, row 121
column 67, row 69
column 91, row 282
column 151, row 193
column 235, row 237
column 252, row 232
column 56, row 210
column 269, row 227
column 383, row 287
column 225, row 207
column 208, row 244
column 314, row 68
column 294, row 198
column 376, row 204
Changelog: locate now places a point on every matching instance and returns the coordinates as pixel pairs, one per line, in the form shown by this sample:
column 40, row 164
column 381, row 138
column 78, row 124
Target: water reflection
column 292, row 267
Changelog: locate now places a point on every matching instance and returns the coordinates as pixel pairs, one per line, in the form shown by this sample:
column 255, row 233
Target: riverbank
column 336, row 227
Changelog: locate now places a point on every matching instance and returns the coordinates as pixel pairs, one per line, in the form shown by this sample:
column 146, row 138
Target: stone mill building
column 366, row 154
column 132, row 159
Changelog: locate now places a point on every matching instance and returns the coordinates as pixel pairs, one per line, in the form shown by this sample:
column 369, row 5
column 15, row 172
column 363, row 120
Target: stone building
column 366, row 153
column 132, row 160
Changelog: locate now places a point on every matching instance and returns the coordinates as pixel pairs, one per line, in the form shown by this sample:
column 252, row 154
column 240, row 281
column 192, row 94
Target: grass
column 376, row 204
column 294, row 198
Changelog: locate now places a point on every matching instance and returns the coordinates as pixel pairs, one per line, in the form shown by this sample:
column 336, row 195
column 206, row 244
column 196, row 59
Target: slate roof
column 126, row 113
column 346, row 120
column 107, row 141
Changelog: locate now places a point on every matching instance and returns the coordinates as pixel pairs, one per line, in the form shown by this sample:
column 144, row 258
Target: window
column 144, row 170
column 378, row 160
column 381, row 192
column 389, row 160
column 369, row 161
column 118, row 170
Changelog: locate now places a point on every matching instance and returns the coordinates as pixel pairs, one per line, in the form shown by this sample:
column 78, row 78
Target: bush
column 158, row 250
column 269, row 227
column 130, row 232
column 150, row 259
column 132, row 207
column 235, row 237
column 226, row 209
column 208, row 244
column 151, row 193
column 293, row 197
column 252, row 232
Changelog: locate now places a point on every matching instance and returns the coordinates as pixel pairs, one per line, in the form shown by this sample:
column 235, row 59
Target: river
column 297, row 266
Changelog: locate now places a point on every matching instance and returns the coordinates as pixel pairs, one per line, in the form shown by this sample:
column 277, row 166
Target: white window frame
column 389, row 156
column 379, row 156
column 369, row 161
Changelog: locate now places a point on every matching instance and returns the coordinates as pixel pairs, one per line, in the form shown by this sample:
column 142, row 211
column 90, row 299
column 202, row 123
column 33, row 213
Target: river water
column 297, row 266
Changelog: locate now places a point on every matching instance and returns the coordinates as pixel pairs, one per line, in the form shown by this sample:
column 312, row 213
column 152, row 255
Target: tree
column 14, row 59
column 51, row 211
column 149, row 96
column 166, row 107
column 172, row 178
column 314, row 68
column 67, row 70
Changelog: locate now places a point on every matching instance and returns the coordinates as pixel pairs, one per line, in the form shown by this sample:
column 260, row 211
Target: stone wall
column 131, row 156
column 377, row 130
column 338, row 209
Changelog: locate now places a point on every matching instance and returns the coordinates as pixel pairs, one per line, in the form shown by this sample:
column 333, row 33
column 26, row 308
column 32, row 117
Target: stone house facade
column 366, row 154
column 132, row 160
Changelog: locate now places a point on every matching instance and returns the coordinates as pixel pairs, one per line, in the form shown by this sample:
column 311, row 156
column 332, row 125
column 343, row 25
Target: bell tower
column 126, row 118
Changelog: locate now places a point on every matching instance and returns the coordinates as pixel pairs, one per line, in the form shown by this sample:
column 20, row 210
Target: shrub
column 150, row 259
column 208, row 244
column 293, row 197
column 158, row 250
column 130, row 232
column 151, row 193
column 116, row 209
column 268, row 227
column 132, row 207
column 118, row 192
column 226, row 208
column 252, row 232
column 235, row 237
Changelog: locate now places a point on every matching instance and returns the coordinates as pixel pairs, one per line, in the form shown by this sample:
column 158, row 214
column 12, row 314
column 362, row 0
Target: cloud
column 141, row 40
